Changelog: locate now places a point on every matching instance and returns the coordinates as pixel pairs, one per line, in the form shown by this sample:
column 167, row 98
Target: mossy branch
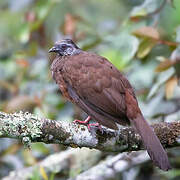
column 30, row 128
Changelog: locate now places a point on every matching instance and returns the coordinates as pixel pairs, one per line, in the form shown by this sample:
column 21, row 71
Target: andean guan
column 98, row 88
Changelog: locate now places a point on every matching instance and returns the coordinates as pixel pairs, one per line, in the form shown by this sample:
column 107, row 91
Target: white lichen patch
column 110, row 141
column 26, row 141
column 84, row 138
column 20, row 125
column 50, row 137
column 111, row 145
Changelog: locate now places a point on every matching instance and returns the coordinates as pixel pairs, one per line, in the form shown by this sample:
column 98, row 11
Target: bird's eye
column 63, row 46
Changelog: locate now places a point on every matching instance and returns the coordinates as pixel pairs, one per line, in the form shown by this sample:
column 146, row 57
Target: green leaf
column 115, row 58
column 178, row 34
column 145, row 47
column 162, row 78
column 122, row 49
column 146, row 7
column 175, row 57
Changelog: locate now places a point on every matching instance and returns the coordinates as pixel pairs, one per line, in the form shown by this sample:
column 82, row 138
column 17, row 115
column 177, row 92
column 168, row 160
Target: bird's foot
column 86, row 122
column 94, row 124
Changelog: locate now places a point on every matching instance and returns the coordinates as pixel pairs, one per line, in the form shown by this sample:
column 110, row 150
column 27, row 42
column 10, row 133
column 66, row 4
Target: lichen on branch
column 30, row 128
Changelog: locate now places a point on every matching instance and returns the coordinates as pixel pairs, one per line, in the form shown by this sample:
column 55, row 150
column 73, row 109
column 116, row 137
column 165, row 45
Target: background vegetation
column 140, row 37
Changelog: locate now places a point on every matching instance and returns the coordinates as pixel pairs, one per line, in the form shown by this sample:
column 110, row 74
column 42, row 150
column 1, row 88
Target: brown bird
column 98, row 88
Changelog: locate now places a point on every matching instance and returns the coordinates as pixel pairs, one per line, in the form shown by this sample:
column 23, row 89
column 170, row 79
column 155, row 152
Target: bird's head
column 65, row 47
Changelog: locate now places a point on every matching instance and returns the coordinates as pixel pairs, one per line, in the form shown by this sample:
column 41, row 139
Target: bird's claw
column 86, row 122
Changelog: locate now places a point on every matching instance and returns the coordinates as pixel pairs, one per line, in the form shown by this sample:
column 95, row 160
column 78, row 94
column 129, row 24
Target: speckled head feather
column 65, row 47
column 68, row 41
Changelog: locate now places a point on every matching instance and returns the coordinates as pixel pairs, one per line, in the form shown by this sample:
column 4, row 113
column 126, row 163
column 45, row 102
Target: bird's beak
column 54, row 49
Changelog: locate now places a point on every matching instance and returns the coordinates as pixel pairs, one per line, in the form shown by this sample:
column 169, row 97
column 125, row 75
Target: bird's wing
column 98, row 84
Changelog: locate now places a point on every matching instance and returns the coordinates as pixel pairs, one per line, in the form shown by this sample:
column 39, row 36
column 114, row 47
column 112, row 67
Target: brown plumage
column 98, row 88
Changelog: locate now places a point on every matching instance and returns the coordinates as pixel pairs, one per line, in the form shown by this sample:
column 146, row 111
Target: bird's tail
column 149, row 138
column 151, row 143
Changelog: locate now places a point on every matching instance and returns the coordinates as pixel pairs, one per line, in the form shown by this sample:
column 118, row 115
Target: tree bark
column 30, row 128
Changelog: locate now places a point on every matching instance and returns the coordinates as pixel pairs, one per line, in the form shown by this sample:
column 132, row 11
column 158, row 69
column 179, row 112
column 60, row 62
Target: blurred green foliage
column 140, row 37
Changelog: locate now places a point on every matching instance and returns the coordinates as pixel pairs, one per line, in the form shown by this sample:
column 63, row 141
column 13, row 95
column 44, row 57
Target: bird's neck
column 76, row 51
